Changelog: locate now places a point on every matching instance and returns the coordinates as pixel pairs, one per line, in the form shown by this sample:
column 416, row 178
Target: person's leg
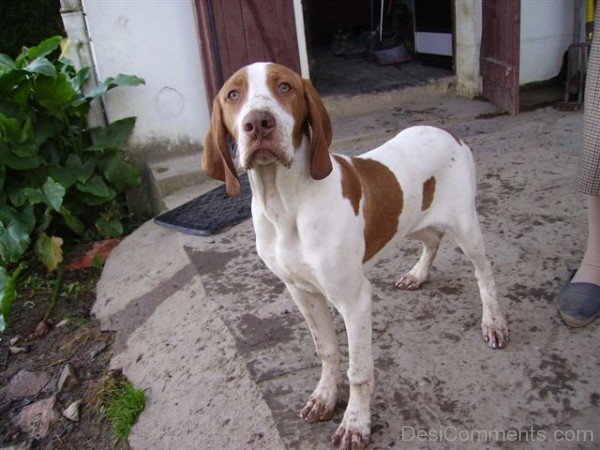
column 589, row 270
column 579, row 298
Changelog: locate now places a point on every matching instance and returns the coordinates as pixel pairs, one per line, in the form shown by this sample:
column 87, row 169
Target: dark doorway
column 352, row 50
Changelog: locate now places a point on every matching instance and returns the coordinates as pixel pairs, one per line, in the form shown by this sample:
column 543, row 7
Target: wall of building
column 468, row 43
column 546, row 32
column 158, row 41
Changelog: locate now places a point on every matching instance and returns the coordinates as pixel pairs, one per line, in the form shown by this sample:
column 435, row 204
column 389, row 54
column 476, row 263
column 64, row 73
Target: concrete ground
column 228, row 361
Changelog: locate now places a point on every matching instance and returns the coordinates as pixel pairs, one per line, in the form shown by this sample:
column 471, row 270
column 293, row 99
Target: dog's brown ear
column 216, row 160
column 320, row 124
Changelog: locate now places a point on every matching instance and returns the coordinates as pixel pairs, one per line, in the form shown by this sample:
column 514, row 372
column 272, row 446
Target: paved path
column 228, row 361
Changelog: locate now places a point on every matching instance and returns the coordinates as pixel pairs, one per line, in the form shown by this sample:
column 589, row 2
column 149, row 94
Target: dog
column 319, row 218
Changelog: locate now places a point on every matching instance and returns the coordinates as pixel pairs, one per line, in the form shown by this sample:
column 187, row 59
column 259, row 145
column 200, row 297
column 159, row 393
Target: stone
column 72, row 411
column 67, row 378
column 36, row 419
column 25, row 383
column 14, row 340
column 62, row 323
column 14, row 350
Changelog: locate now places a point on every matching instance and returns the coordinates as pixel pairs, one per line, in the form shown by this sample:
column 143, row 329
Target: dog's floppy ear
column 320, row 124
column 216, row 160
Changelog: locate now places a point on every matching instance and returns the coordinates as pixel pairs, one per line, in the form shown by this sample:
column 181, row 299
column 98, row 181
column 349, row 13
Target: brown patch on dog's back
column 428, row 193
column 351, row 187
column 455, row 136
column 384, row 201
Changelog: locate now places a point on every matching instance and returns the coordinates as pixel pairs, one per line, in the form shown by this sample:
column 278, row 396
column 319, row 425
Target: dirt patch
column 78, row 342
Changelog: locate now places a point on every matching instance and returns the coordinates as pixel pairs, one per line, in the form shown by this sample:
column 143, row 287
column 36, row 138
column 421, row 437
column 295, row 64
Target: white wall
column 158, row 41
column 468, row 43
column 546, row 32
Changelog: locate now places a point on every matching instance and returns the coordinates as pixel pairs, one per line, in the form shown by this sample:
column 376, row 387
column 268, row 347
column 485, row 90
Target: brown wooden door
column 500, row 47
column 234, row 33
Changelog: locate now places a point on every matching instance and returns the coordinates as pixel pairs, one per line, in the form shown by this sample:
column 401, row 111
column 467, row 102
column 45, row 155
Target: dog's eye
column 284, row 87
column 233, row 95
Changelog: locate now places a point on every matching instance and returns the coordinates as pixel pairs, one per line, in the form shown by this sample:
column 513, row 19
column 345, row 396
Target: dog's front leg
column 355, row 307
column 321, row 403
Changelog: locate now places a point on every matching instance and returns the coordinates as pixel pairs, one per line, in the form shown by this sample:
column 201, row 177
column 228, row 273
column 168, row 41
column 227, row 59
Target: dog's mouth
column 262, row 155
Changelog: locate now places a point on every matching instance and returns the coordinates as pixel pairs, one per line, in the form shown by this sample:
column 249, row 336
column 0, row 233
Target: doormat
column 210, row 213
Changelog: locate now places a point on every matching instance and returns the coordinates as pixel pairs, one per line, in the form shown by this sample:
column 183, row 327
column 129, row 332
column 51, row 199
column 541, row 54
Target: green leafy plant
column 59, row 179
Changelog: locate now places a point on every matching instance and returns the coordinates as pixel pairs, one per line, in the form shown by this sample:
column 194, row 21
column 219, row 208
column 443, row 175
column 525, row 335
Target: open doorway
column 359, row 46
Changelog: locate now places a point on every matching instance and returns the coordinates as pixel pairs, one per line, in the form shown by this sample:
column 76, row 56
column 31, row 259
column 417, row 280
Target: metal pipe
column 73, row 19
column 381, row 22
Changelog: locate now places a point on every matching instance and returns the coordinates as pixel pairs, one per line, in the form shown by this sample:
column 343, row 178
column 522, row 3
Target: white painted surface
column 468, row 42
column 158, row 41
column 301, row 37
column 434, row 43
column 546, row 32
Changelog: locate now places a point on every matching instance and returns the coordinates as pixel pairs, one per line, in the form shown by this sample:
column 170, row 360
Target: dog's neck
column 276, row 188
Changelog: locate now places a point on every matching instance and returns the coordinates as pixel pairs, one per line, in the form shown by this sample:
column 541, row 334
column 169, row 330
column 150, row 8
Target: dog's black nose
column 259, row 124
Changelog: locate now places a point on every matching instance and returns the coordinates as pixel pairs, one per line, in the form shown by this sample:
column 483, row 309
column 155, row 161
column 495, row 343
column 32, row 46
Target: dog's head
column 267, row 108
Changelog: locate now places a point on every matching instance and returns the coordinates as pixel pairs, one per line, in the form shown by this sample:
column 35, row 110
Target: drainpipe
column 81, row 53
column 589, row 20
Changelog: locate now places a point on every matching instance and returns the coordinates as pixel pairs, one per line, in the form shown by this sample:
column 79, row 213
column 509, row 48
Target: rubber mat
column 210, row 213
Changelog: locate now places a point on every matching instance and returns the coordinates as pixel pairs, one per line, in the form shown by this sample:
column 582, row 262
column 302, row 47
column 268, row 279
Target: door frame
column 500, row 77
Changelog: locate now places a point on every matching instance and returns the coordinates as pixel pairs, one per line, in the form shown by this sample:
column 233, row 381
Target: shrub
column 58, row 178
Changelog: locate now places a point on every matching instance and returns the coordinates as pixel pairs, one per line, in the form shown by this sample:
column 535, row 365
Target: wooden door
column 500, row 48
column 234, row 33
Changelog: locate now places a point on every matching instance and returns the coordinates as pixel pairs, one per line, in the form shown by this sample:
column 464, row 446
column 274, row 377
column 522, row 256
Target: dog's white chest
column 282, row 252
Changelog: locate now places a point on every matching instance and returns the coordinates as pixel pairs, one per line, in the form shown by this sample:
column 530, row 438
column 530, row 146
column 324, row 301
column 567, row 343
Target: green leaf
column 11, row 129
column 10, row 80
column 114, row 135
column 44, row 128
column 41, row 66
column 14, row 240
column 110, row 82
column 122, row 175
column 6, row 63
column 2, row 177
column 34, row 196
column 49, row 250
column 54, row 193
column 77, row 170
column 109, row 227
column 82, row 76
column 54, row 93
column 72, row 221
column 16, row 195
column 8, row 292
column 44, row 48
column 24, row 216
column 7, row 158
column 95, row 186
column 46, row 220
column 92, row 200
column 20, row 95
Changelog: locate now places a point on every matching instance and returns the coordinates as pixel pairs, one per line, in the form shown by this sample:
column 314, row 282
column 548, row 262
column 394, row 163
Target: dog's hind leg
column 467, row 233
column 321, row 403
column 415, row 277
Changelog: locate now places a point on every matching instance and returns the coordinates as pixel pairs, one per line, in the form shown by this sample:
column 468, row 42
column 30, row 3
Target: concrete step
column 188, row 193
column 172, row 174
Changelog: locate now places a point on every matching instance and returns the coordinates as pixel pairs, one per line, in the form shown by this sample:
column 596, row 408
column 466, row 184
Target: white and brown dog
column 319, row 218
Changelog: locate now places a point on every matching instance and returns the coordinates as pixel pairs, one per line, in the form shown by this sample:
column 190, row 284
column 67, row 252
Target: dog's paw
column 354, row 433
column 349, row 438
column 409, row 282
column 495, row 332
column 317, row 409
